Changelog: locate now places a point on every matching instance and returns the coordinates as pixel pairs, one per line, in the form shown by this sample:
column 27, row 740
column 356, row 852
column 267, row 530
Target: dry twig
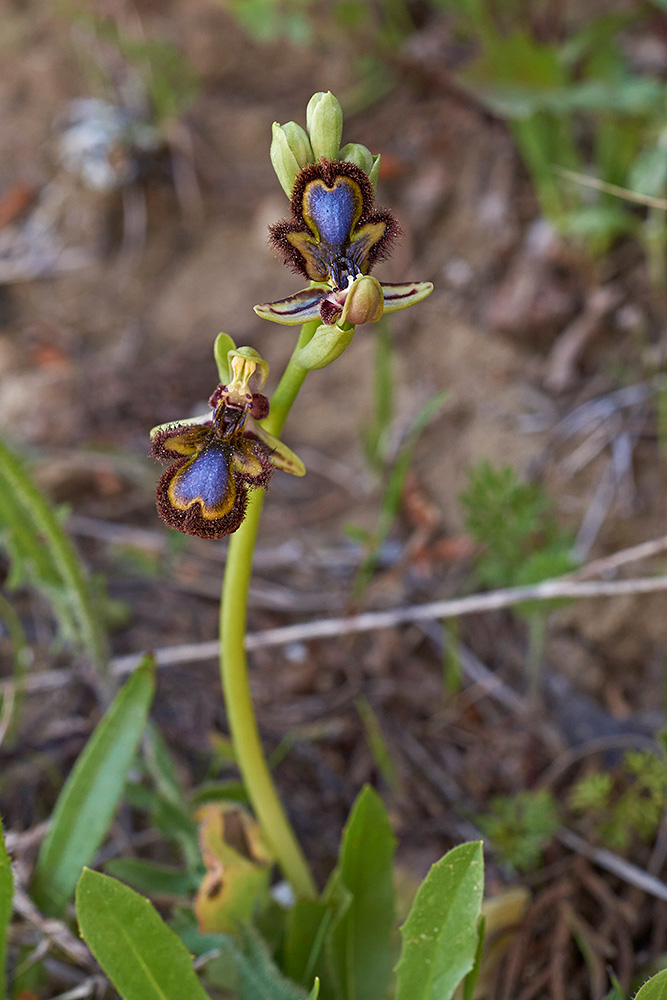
column 615, row 864
column 373, row 620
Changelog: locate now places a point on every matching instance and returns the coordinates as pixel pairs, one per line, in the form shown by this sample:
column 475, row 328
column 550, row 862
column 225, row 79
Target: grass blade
column 12, row 702
column 391, row 500
column 6, row 896
column 88, row 802
column 142, row 957
column 31, row 514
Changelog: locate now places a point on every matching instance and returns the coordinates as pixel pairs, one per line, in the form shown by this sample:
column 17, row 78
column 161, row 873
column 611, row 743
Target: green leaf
column 358, row 942
column 654, row 989
column 377, row 744
column 154, row 880
column 440, row 935
column 219, row 791
column 6, row 896
column 471, row 979
column 162, row 766
column 615, row 993
column 393, row 492
column 307, row 923
column 12, row 700
column 88, row 801
column 142, row 957
column 315, row 992
column 173, row 821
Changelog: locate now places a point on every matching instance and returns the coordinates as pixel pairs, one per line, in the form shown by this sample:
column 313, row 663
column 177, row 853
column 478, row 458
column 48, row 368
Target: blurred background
column 524, row 153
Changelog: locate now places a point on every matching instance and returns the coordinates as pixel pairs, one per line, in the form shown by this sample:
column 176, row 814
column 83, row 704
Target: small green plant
column 576, row 106
column 615, row 808
column 169, row 81
column 520, row 826
column 513, row 523
column 521, row 543
column 619, row 809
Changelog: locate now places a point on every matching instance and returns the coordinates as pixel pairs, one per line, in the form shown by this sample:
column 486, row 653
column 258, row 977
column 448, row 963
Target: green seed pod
column 324, row 119
column 283, row 159
column 327, row 344
column 360, row 155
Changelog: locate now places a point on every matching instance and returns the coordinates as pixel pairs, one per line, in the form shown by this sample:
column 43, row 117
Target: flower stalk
column 243, row 726
column 221, row 464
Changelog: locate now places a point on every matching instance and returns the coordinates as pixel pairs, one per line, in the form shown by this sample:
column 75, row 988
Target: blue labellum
column 205, row 479
column 334, row 212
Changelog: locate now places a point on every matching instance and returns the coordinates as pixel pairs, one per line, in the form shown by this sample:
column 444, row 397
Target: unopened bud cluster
column 293, row 148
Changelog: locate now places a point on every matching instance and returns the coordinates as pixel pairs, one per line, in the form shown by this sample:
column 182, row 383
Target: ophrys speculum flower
column 334, row 237
column 204, row 491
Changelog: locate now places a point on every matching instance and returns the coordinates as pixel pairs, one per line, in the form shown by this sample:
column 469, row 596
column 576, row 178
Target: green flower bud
column 374, row 172
column 299, row 143
column 324, row 119
column 360, row 155
column 364, row 302
column 283, row 159
column 327, row 344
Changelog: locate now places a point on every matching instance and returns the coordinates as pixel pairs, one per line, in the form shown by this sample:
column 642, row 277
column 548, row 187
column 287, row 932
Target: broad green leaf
column 6, row 896
column 472, row 977
column 154, row 880
column 440, row 935
column 654, row 989
column 358, row 942
column 307, row 923
column 142, row 957
column 88, row 801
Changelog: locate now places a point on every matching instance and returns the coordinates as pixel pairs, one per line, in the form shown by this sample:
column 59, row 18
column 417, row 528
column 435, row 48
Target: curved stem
column 234, row 665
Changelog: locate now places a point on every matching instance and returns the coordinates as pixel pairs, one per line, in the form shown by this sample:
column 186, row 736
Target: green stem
column 234, row 664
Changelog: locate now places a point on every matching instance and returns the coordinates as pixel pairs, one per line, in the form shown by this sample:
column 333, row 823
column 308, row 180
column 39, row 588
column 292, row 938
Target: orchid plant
column 254, row 939
column 221, row 464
